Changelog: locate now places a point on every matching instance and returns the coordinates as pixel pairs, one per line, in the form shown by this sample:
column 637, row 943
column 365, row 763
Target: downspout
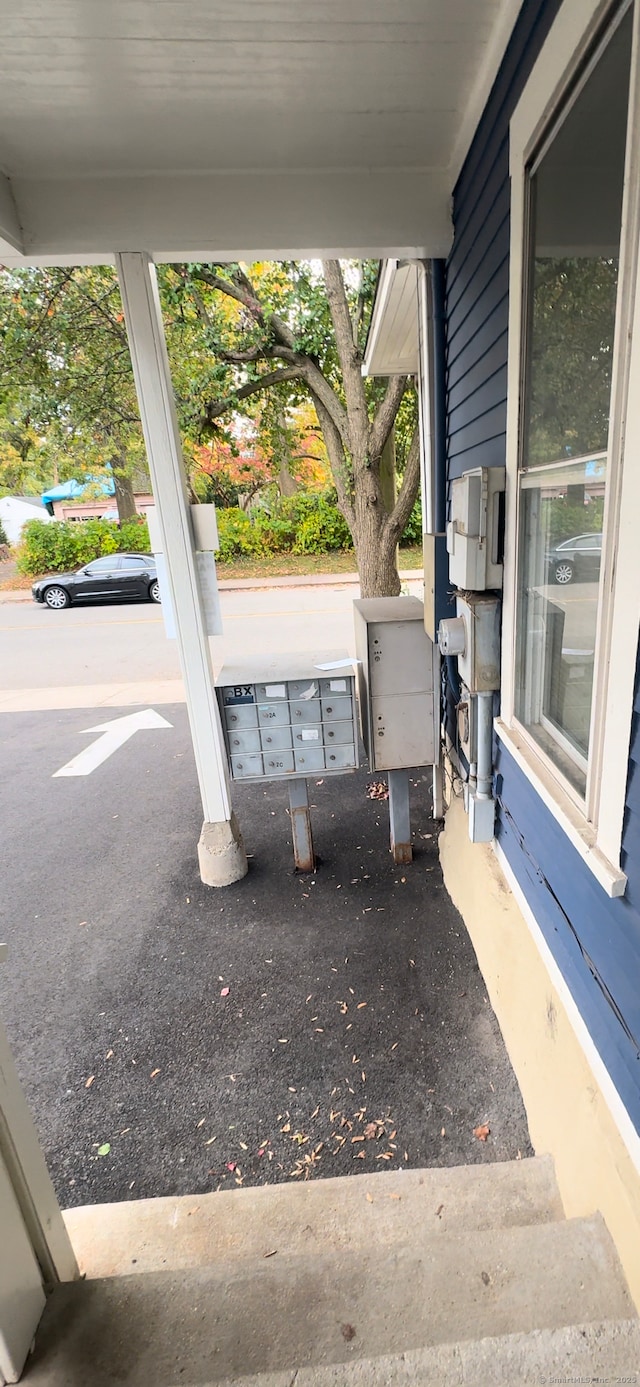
column 439, row 394
column 438, row 373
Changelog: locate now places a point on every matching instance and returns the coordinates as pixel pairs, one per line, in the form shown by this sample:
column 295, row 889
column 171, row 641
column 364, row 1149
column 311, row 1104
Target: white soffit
column 392, row 341
column 229, row 127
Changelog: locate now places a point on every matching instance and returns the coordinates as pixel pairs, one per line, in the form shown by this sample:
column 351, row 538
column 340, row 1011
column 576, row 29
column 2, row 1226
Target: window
column 571, row 601
column 107, row 565
column 575, row 206
column 132, row 563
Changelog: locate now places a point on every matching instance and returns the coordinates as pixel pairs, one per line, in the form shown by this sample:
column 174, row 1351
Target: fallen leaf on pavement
column 348, row 1332
column 225, row 991
column 104, row 1149
column 90, row 1081
column 482, row 1132
column 153, row 1073
column 369, row 1198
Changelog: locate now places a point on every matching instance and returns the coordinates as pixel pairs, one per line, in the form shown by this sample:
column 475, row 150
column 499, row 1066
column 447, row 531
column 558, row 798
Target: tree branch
column 396, row 523
column 337, row 458
column 241, row 289
column 216, row 408
column 347, row 350
column 384, row 418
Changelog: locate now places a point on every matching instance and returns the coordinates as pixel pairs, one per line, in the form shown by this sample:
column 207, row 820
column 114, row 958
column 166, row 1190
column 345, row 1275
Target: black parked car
column 577, row 558
column 113, row 578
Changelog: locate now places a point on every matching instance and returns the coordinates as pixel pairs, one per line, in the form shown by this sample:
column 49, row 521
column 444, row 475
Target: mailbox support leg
column 438, row 792
column 399, row 816
column 301, row 826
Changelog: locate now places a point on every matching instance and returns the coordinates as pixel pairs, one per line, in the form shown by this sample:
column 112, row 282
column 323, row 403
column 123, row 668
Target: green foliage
column 322, row 530
column 307, row 523
column 62, row 546
column 413, row 528
column 565, row 521
column 68, row 405
column 236, row 534
column 571, row 354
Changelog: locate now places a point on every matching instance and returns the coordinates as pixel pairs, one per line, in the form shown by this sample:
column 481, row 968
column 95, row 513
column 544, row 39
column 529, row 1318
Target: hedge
column 307, row 523
column 62, row 545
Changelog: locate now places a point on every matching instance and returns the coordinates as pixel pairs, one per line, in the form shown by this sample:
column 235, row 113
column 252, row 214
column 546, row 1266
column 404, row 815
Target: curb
column 294, row 580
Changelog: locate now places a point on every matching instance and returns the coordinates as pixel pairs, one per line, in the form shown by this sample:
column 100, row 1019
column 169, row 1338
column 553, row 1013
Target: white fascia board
column 481, row 88
column 378, row 313
column 11, row 238
column 403, row 212
column 393, row 341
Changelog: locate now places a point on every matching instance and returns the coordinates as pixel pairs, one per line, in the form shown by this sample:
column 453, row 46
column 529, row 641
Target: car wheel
column 563, row 572
column 154, row 592
column 57, row 598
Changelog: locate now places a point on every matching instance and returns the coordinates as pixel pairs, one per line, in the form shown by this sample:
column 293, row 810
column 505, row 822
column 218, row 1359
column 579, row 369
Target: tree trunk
column 125, row 499
column 286, row 483
column 376, row 552
column 388, row 473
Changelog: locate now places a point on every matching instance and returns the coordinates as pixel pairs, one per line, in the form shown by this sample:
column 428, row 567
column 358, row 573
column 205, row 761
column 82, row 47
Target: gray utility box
column 398, row 683
column 284, row 717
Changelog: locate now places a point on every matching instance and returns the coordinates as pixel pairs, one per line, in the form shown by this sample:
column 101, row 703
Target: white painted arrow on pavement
column 114, row 735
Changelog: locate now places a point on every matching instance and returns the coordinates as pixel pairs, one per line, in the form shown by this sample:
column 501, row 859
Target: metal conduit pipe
column 484, row 757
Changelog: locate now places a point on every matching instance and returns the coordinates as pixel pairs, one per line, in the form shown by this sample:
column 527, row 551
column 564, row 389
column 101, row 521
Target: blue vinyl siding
column 595, row 940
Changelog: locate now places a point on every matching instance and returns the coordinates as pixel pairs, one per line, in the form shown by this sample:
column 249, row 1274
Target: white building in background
column 16, row 510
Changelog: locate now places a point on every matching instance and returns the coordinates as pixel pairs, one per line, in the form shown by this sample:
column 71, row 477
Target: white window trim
column 598, row 835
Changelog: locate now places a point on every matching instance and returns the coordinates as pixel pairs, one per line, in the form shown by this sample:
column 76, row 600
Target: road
column 116, row 645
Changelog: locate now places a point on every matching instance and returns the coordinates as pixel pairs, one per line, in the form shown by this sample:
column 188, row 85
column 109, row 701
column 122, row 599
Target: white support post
column 22, row 1158
column 220, row 851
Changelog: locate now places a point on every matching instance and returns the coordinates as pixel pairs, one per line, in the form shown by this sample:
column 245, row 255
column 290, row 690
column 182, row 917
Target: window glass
column 575, row 197
column 107, row 565
column 133, row 563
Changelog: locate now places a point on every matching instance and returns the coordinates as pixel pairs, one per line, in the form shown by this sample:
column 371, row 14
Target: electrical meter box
column 476, row 528
column 398, row 683
column 473, row 636
column 286, row 716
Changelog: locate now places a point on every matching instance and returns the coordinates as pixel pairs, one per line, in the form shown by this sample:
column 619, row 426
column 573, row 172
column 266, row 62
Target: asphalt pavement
column 83, row 645
column 173, row 1038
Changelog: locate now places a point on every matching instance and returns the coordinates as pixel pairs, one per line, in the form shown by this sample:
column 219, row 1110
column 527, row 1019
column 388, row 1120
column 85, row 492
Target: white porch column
column 221, row 851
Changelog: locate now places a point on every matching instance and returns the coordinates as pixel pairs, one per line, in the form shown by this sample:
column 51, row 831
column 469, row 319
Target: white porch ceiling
column 238, row 127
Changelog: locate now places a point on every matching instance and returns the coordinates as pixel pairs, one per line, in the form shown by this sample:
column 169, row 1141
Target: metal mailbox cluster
column 277, row 728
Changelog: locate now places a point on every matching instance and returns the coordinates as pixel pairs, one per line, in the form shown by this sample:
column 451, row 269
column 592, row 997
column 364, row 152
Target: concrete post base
column 221, row 853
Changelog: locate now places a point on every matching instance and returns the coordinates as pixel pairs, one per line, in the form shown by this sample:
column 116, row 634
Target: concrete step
column 604, row 1352
column 289, row 1312
column 390, row 1209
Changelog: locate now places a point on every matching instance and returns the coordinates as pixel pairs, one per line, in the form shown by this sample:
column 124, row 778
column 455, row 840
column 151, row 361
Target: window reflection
column 576, row 203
